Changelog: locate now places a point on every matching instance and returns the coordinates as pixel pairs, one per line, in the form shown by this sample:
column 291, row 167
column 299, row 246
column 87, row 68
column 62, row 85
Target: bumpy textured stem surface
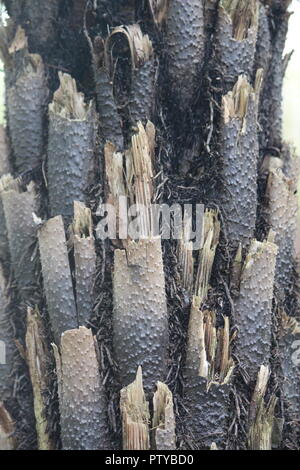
column 235, row 56
column 26, row 106
column 22, row 234
column 140, row 312
column 70, row 147
column 239, row 147
column 81, row 396
column 254, row 306
column 185, row 43
column 7, row 346
column 85, row 262
column 57, row 277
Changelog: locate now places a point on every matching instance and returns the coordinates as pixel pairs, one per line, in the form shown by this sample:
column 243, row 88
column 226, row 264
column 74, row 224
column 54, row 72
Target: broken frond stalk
column 163, row 418
column 82, row 401
column 7, row 440
column 261, row 416
column 159, row 10
column 140, row 307
column 139, row 178
column 235, row 103
column 82, row 223
column 67, row 101
column 243, row 15
column 207, row 254
column 71, row 145
column 185, row 41
column 254, row 306
column 37, row 357
column 139, row 44
column 135, row 415
column 19, row 42
column 26, row 96
column 208, row 349
column 186, row 263
column 57, row 278
column 240, row 152
column 19, row 206
column 85, row 261
column 282, row 217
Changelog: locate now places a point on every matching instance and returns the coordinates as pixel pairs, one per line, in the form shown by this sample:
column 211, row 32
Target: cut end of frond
column 37, row 359
column 139, row 44
column 163, row 417
column 159, row 10
column 260, row 250
column 7, row 183
column 243, row 15
column 261, row 416
column 211, row 228
column 235, row 103
column 208, row 350
column 290, row 324
column 68, row 102
column 186, row 263
column 19, row 42
column 7, row 441
column 82, row 223
column 139, row 177
column 135, row 415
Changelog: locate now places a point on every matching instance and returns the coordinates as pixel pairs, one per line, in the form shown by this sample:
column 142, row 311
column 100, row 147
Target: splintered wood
column 208, row 348
column 71, row 142
column 67, row 101
column 261, row 415
column 85, row 261
column 139, row 281
column 38, row 360
column 135, row 415
column 7, row 440
column 207, row 254
column 163, row 418
column 142, row 75
column 243, row 14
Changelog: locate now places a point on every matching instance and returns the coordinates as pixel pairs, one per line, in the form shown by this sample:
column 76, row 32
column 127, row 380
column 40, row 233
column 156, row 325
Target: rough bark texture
column 142, row 311
column 19, row 207
column 254, row 306
column 26, row 96
column 81, row 398
column 57, row 277
column 71, row 147
column 239, row 145
column 7, row 346
column 185, row 45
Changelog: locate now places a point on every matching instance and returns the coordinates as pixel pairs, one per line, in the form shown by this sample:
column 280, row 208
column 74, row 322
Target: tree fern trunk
column 133, row 343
